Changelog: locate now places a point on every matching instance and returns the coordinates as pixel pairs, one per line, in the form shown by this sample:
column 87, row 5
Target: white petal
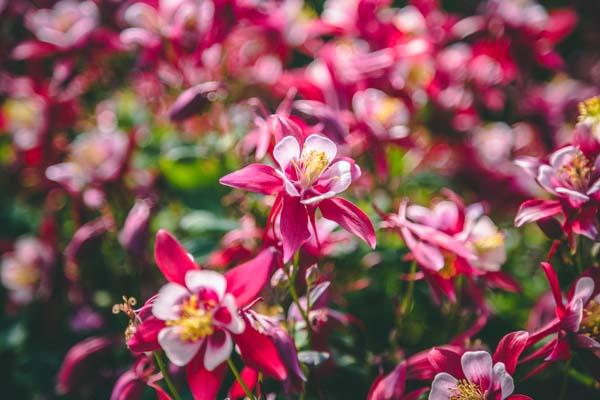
column 442, row 387
column 217, row 353
column 196, row 280
column 319, row 143
column 584, row 288
column 502, row 378
column 560, row 156
column 340, row 174
column 285, row 151
column 546, row 178
column 167, row 300
column 573, row 194
column 236, row 325
column 477, row 366
column 319, row 198
column 179, row 352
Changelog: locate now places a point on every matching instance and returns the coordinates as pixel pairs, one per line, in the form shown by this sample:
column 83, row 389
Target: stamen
column 578, row 171
column 589, row 110
column 195, row 319
column 590, row 323
column 127, row 308
column 313, row 165
column 466, row 390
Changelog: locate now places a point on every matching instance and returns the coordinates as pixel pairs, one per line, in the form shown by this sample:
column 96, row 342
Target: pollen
column 195, row 320
column 490, row 242
column 578, row 172
column 466, row 390
column 590, row 323
column 589, row 110
column 313, row 165
column 389, row 106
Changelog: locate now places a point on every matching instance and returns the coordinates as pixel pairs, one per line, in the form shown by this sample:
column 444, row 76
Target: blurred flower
column 95, row 158
column 25, row 271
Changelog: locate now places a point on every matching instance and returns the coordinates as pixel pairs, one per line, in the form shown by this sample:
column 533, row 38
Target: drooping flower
column 309, row 177
column 131, row 384
column 196, row 319
column 577, row 321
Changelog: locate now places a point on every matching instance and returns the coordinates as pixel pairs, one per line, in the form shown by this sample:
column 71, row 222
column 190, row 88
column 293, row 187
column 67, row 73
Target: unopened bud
column 312, row 275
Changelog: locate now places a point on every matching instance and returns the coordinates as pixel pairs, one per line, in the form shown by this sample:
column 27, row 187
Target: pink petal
column 259, row 352
column 246, row 281
column 584, row 288
column 340, row 176
column 218, row 349
column 286, row 151
column 249, row 377
column 510, row 348
column 554, row 287
column 172, row 259
column 534, row 210
column 145, row 337
column 391, row 386
column 178, row 351
column 258, row 178
column 208, row 280
column 445, row 359
column 293, row 225
column 167, row 299
column 477, row 367
column 203, row 383
column 349, row 217
column 442, row 387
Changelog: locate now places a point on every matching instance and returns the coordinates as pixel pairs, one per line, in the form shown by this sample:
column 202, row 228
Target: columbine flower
column 573, row 177
column 480, row 379
column 95, row 158
column 196, row 317
column 25, row 270
column 476, row 375
column 309, row 176
column 66, row 25
column 577, row 322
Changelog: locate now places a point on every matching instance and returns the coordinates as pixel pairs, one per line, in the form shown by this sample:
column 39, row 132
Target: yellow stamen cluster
column 466, row 390
column 578, row 171
column 590, row 323
column 589, row 110
column 489, row 242
column 313, row 165
column 389, row 106
column 195, row 319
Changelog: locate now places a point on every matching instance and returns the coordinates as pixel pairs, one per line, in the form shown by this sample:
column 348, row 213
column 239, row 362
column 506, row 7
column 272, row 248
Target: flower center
column 578, row 172
column 489, row 243
column 195, row 319
column 590, row 323
column 386, row 110
column 466, row 390
column 313, row 165
column 589, row 110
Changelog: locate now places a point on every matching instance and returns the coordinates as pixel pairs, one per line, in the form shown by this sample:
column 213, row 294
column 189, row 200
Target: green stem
column 563, row 389
column 160, row 362
column 238, row 378
column 408, row 296
column 296, row 300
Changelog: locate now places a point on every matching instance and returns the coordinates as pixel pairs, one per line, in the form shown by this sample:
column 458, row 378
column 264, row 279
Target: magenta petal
column 172, row 259
column 259, row 352
column 145, row 337
column 246, row 281
column 554, row 287
column 293, row 225
column 349, row 217
column 445, row 360
column 534, row 210
column 477, row 367
column 391, row 386
column 510, row 348
column 258, row 178
column 193, row 100
column 249, row 377
column 204, row 384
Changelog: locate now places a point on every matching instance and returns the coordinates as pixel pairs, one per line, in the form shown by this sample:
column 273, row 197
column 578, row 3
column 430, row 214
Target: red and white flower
column 308, row 176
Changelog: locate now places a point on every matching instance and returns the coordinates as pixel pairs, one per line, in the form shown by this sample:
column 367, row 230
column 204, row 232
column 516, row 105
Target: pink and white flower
column 480, row 378
column 308, row 176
